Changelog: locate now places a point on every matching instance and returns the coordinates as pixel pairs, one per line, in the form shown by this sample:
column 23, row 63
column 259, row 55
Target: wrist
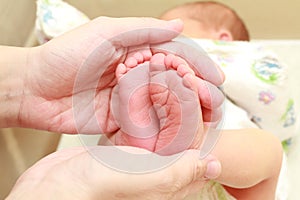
column 14, row 63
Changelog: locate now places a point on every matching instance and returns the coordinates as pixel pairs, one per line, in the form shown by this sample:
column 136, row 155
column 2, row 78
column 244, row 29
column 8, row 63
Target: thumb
column 189, row 168
column 132, row 31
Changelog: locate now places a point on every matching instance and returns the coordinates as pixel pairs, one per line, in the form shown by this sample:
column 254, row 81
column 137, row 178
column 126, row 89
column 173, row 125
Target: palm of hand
column 69, row 81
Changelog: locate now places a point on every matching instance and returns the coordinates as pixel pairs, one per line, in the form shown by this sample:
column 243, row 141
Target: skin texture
column 45, row 87
column 159, row 109
column 247, row 171
column 251, row 163
column 80, row 176
column 37, row 92
column 55, row 74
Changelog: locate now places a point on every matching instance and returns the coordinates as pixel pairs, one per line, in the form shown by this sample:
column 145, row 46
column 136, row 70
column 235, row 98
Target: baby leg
column 251, row 162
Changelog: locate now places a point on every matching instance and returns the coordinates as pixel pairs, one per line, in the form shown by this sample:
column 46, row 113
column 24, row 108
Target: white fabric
column 235, row 117
column 256, row 81
column 54, row 17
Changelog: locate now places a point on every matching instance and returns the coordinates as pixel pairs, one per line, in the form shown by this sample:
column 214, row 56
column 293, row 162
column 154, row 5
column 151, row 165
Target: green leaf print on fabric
column 289, row 117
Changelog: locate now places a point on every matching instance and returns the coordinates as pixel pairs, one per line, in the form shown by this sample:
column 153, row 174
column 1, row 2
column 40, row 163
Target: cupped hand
column 76, row 174
column 69, row 80
column 63, row 75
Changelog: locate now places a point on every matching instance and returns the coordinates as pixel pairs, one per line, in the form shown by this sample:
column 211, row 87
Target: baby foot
column 138, row 55
column 159, row 106
column 134, row 111
column 174, row 94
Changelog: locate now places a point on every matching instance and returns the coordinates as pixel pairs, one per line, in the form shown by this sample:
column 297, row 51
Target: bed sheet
column 289, row 52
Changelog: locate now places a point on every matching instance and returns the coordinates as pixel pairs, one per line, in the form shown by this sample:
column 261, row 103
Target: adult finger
column 189, row 169
column 133, row 31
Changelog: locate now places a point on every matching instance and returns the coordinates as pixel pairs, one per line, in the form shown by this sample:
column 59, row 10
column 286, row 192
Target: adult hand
column 75, row 174
column 67, row 83
column 71, row 66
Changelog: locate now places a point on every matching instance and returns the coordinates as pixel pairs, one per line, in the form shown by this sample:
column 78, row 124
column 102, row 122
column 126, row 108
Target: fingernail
column 178, row 24
column 213, row 169
column 175, row 20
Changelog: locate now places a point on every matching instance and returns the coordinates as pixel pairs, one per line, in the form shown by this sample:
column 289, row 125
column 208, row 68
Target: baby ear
column 225, row 35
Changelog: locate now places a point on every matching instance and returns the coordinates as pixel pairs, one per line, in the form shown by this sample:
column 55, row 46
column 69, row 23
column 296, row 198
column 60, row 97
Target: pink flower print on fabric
column 266, row 97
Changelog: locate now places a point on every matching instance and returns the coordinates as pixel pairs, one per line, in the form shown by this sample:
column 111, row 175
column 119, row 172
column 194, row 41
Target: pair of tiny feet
column 159, row 103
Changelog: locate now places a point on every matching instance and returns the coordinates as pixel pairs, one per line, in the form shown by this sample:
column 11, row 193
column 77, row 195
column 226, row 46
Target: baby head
column 209, row 20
